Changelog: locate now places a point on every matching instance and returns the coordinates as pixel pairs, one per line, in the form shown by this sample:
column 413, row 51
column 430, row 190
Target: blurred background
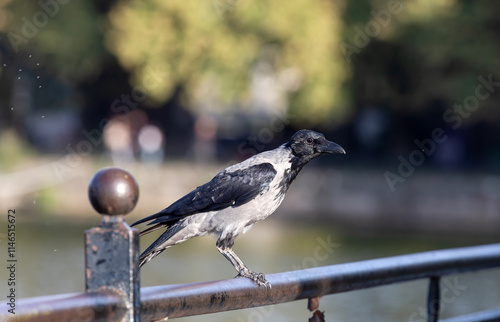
column 175, row 91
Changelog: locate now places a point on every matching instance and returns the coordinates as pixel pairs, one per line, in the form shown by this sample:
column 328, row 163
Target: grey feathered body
column 235, row 199
column 229, row 222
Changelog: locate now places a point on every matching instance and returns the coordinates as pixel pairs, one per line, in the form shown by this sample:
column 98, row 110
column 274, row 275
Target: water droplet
column 38, row 64
column 4, row 65
column 43, row 116
column 34, row 201
column 19, row 77
column 55, row 250
column 39, row 86
column 11, row 108
column 30, row 56
column 20, row 70
column 38, row 77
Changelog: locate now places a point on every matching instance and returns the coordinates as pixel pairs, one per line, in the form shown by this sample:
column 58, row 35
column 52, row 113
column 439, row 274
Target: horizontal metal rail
column 210, row 297
column 98, row 306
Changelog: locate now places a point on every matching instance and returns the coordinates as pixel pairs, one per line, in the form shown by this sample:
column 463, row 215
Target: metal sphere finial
column 113, row 191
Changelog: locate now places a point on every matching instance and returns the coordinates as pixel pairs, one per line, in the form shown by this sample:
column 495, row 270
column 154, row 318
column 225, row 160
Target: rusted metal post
column 313, row 306
column 112, row 248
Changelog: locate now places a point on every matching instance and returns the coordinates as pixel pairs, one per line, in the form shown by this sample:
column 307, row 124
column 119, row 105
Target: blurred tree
column 412, row 60
column 183, row 44
column 47, row 50
column 456, row 47
column 424, row 51
column 65, row 36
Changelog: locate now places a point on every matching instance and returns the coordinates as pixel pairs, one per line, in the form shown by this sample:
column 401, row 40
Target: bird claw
column 257, row 278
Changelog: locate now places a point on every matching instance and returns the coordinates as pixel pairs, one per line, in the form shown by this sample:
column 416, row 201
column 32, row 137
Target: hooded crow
column 235, row 199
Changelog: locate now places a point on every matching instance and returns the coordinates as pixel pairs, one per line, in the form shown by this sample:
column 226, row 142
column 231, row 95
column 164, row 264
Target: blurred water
column 51, row 261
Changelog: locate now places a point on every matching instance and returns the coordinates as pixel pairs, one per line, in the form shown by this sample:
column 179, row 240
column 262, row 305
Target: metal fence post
column 433, row 299
column 112, row 248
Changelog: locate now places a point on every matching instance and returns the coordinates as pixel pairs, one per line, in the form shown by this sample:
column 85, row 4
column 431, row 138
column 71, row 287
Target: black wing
column 226, row 189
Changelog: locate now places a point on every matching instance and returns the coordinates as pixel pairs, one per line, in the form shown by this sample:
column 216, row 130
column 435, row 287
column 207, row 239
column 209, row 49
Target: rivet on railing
column 112, row 248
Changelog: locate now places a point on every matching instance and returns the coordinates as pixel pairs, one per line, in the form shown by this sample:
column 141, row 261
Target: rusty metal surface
column 111, row 257
column 313, row 303
column 112, row 248
column 313, row 306
column 210, row 297
column 318, row 316
column 105, row 306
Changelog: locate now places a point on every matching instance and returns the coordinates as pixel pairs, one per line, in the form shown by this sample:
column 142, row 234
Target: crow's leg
column 225, row 248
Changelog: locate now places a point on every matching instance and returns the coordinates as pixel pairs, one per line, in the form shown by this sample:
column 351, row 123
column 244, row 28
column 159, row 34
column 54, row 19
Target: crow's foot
column 257, row 278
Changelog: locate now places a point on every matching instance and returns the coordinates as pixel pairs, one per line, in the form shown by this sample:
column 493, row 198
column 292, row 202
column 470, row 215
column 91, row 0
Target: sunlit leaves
column 220, row 42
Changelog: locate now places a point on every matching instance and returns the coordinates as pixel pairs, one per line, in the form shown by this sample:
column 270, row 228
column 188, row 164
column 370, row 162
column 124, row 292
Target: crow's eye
column 309, row 140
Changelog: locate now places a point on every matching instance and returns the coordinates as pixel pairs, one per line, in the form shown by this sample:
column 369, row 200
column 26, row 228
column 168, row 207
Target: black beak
column 330, row 147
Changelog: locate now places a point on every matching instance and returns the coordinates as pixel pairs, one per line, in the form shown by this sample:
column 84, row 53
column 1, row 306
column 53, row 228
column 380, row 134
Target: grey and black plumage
column 235, row 199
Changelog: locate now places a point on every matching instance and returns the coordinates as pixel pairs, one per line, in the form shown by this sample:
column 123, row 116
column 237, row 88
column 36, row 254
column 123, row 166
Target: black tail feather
column 147, row 256
column 161, row 243
column 140, row 221
column 153, row 228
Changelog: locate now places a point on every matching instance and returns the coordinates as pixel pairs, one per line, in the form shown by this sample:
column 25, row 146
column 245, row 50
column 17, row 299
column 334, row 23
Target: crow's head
column 307, row 145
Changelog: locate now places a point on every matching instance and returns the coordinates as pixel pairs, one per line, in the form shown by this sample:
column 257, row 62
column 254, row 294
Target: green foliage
column 218, row 42
column 65, row 37
column 431, row 50
column 428, row 51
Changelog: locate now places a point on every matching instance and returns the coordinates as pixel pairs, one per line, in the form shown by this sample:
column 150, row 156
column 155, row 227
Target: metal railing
column 112, row 279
